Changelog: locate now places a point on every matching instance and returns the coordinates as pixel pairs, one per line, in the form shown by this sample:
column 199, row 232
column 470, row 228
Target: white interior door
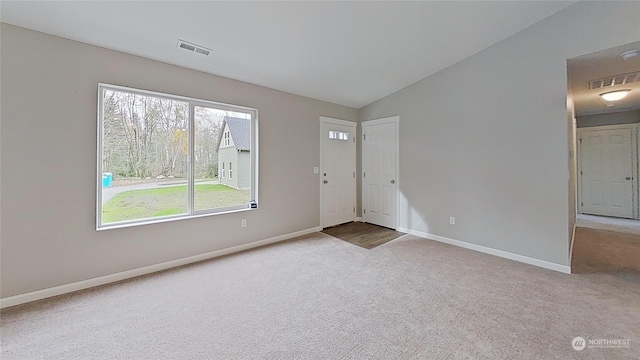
column 379, row 171
column 337, row 171
column 606, row 172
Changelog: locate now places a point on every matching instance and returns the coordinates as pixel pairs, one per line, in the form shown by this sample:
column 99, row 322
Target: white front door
column 379, row 171
column 606, row 172
column 337, row 171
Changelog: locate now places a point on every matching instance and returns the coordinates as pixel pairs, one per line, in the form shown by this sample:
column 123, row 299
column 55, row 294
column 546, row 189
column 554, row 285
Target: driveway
column 110, row 192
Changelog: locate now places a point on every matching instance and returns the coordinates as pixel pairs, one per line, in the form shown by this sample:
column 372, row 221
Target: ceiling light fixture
column 630, row 54
column 615, row 95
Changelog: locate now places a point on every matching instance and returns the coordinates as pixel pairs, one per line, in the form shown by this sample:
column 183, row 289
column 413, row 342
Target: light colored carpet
column 317, row 297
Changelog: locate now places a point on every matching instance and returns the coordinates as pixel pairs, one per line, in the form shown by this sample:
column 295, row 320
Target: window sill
column 164, row 219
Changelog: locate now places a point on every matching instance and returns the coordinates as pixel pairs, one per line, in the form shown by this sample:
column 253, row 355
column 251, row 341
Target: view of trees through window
column 146, row 162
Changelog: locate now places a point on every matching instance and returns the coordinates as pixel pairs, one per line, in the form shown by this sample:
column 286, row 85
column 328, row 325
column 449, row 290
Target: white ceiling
column 349, row 53
column 603, row 64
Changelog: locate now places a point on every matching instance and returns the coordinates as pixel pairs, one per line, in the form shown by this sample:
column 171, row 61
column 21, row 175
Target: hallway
column 606, row 245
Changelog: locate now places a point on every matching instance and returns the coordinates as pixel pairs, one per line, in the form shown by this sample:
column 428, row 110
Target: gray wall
column 48, row 155
column 486, row 140
column 617, row 118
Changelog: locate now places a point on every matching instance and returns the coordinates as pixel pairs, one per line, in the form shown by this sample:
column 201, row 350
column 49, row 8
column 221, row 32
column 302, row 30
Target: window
column 159, row 157
column 227, row 138
column 230, row 171
column 338, row 135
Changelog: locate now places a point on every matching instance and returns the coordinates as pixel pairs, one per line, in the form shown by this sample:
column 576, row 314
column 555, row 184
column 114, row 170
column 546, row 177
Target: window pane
column 164, row 156
column 145, row 144
column 221, row 137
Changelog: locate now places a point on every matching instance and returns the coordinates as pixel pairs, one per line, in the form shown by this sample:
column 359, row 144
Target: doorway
column 603, row 147
column 607, row 159
column 604, row 172
column 337, row 171
column 380, row 171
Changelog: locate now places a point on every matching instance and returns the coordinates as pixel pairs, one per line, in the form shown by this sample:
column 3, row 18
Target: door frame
column 396, row 121
column 635, row 182
column 353, row 125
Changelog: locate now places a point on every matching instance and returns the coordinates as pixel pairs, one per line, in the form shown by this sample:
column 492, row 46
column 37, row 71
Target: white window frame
column 230, row 171
column 191, row 212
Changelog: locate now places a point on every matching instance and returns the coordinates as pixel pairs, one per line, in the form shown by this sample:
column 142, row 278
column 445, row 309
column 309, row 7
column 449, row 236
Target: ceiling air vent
column 614, row 80
column 193, row 47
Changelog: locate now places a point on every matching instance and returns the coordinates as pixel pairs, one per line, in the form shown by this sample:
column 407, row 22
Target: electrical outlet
column 243, row 223
column 452, row 220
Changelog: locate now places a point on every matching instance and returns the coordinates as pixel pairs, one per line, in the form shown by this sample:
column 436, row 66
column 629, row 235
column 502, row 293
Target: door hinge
column 354, row 139
column 354, row 174
column 364, row 211
column 580, row 172
column 364, row 137
column 364, row 174
column 581, row 204
column 354, row 209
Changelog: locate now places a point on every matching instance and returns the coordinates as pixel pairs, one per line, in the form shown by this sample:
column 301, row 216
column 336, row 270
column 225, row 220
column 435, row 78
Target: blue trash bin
column 107, row 179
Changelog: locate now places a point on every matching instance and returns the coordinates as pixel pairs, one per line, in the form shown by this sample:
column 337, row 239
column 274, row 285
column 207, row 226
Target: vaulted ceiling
column 349, row 53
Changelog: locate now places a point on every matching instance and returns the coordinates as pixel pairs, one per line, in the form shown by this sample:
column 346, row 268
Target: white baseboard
column 358, row 219
column 487, row 250
column 102, row 280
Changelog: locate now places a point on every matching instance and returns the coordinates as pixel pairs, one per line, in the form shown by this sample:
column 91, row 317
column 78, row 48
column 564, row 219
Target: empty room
column 319, row 180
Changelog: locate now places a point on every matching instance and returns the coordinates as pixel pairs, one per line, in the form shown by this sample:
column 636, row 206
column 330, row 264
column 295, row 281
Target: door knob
column 628, row 178
column 393, row 181
column 326, row 182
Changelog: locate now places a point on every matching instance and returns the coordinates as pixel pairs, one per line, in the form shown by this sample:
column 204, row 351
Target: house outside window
column 238, row 152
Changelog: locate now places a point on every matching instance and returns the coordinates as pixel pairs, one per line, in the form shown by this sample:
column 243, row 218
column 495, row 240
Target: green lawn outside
column 171, row 200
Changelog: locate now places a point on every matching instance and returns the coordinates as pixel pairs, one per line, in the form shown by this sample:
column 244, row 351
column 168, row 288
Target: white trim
column 572, row 240
column 169, row 218
column 353, row 125
column 359, row 219
column 196, row 101
column 393, row 120
column 487, row 250
column 609, row 127
column 390, row 119
column 99, row 134
column 324, row 119
column 102, row 280
column 191, row 169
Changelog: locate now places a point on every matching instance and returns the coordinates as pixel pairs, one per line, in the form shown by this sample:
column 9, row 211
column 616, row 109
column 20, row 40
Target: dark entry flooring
column 364, row 235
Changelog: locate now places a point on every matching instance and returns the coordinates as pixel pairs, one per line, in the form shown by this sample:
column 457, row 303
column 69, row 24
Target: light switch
column 316, row 170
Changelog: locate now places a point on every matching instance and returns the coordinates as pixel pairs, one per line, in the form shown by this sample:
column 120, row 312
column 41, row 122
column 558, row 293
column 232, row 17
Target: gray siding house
column 234, row 153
